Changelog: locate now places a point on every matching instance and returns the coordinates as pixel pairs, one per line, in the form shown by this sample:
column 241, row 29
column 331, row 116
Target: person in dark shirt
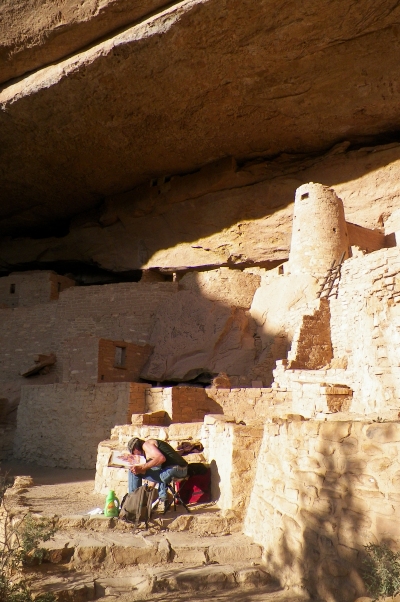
column 162, row 464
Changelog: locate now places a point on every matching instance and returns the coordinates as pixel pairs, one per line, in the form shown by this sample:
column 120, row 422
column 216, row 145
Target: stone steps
column 80, row 550
column 202, row 521
column 143, row 583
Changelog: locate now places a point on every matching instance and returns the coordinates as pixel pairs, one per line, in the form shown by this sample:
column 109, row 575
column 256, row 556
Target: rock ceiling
column 198, row 81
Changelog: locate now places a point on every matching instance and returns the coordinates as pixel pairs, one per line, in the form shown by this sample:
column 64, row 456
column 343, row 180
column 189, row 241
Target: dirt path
column 57, row 490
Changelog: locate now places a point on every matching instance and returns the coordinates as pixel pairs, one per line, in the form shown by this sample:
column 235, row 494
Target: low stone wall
column 323, row 490
column 62, row 424
column 231, row 450
column 250, row 403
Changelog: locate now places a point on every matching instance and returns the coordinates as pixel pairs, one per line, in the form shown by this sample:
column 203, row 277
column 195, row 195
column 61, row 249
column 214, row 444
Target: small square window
column 305, row 196
column 120, row 357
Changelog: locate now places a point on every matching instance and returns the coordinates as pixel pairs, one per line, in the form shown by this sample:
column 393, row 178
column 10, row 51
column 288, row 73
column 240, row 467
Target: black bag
column 137, row 506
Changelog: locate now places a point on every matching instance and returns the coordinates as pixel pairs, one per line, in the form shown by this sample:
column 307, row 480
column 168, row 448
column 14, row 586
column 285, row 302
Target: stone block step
column 115, row 549
column 141, row 583
column 204, row 522
column 211, row 578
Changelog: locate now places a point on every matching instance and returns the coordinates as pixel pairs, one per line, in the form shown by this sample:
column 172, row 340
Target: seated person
column 162, row 464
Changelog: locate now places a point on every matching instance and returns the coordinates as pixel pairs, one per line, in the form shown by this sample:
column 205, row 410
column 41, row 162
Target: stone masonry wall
column 322, row 491
column 115, row 311
column 365, row 329
column 121, row 311
column 135, row 356
column 24, row 333
column 78, row 358
column 62, row 424
column 311, row 345
column 249, row 404
column 24, row 289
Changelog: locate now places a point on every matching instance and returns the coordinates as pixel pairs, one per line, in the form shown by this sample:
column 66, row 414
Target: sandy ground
column 57, row 490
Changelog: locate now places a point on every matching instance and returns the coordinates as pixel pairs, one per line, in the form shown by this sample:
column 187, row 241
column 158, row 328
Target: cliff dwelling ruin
column 200, row 241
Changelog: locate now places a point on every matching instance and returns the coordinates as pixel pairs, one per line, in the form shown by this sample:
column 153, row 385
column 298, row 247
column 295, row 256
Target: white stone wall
column 365, row 329
column 62, row 424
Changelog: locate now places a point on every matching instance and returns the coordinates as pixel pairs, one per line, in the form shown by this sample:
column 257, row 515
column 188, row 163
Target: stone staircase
column 180, row 556
column 97, row 558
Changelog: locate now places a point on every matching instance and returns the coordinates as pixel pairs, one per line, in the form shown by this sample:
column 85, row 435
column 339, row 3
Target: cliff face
column 224, row 214
column 196, row 82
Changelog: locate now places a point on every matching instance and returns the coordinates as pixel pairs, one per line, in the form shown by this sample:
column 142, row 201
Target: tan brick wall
column 191, row 404
column 137, row 400
column 322, row 491
column 134, row 360
column 183, row 404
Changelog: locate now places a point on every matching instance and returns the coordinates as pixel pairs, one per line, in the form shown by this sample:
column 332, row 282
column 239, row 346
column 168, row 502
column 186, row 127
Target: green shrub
column 20, row 547
column 381, row 571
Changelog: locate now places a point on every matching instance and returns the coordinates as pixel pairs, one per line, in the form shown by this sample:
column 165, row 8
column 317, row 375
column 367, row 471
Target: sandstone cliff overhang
column 201, row 80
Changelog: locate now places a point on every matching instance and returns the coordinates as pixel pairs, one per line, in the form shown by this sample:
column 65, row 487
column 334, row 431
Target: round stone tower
column 319, row 233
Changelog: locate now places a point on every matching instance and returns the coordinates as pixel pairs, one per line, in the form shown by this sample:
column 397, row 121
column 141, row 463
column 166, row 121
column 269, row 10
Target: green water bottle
column 111, row 509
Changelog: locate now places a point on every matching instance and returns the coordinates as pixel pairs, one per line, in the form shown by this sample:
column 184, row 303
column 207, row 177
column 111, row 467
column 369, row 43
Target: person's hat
column 132, row 443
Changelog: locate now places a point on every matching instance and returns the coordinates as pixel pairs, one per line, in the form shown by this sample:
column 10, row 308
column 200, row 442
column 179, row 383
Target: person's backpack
column 137, row 506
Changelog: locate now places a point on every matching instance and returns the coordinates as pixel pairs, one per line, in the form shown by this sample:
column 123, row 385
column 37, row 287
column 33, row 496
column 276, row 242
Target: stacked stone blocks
column 321, row 492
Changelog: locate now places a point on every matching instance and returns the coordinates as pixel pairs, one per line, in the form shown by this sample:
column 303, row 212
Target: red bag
column 196, row 489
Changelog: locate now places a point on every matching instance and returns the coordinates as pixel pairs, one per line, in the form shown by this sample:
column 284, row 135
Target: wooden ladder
column 331, row 279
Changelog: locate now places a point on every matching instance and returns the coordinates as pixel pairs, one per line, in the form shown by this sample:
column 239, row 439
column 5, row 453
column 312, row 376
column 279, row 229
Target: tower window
column 12, row 289
column 304, row 196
